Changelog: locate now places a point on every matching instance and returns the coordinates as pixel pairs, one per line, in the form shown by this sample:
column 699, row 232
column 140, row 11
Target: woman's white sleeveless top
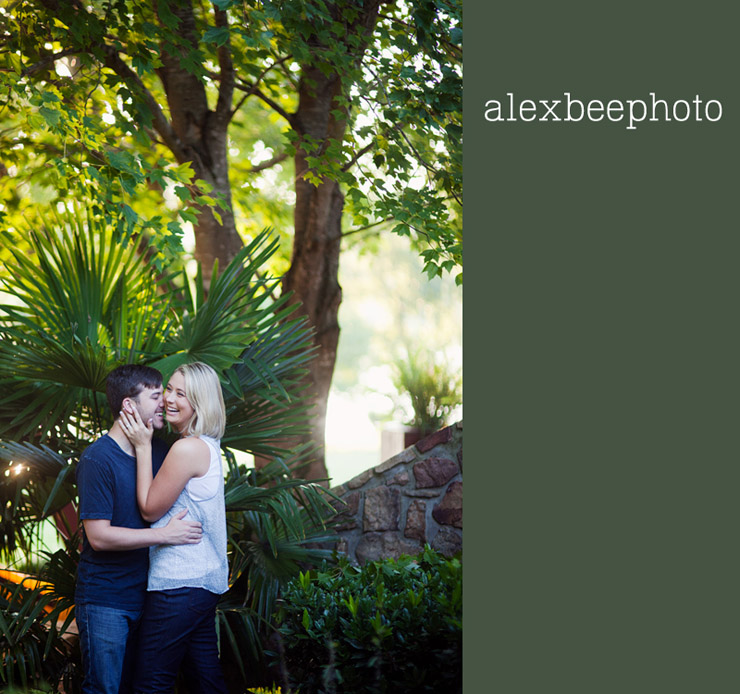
column 203, row 565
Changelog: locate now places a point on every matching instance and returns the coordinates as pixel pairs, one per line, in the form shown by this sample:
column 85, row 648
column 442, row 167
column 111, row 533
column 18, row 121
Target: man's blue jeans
column 178, row 628
column 108, row 645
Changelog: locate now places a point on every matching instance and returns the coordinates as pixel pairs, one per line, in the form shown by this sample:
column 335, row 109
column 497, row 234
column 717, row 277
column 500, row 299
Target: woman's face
column 177, row 407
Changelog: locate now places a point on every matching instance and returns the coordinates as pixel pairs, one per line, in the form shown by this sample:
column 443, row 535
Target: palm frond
column 36, row 482
column 238, row 633
column 217, row 328
column 274, row 488
column 264, row 556
column 59, row 574
column 261, row 352
column 32, row 649
column 82, row 303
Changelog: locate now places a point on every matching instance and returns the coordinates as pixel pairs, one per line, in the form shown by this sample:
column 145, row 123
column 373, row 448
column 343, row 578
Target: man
column 112, row 573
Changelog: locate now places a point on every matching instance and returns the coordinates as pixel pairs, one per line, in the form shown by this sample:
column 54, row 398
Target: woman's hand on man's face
column 138, row 433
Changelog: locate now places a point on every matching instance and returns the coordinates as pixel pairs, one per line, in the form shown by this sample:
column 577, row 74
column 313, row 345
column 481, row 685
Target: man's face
column 150, row 404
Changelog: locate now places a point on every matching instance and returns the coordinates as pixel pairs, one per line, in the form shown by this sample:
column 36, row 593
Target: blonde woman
column 185, row 582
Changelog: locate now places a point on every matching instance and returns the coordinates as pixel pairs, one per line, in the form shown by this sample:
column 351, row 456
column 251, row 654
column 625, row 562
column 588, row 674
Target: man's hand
column 104, row 537
column 181, row 532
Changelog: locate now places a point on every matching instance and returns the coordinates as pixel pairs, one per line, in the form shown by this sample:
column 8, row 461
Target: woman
column 185, row 581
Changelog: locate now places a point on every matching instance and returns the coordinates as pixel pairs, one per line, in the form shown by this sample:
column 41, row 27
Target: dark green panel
column 601, row 353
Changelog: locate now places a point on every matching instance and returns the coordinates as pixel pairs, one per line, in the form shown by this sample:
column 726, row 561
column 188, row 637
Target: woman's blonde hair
column 203, row 391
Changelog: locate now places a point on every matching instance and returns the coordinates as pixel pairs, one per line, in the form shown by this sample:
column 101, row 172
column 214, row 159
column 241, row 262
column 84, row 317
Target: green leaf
column 129, row 213
column 51, row 116
column 123, row 161
column 166, row 16
column 189, row 216
column 182, row 193
column 217, row 35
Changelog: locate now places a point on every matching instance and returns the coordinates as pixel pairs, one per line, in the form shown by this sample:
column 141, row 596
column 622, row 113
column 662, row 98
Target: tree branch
column 278, row 63
column 367, row 226
column 161, row 124
column 354, row 159
column 247, row 89
column 275, row 106
column 39, row 65
column 227, row 77
column 269, row 164
column 238, row 106
column 252, row 90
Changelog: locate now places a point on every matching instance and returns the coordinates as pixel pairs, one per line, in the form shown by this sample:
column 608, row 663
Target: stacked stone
column 411, row 499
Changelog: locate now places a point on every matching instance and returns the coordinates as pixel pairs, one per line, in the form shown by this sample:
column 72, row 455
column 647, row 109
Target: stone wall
column 409, row 500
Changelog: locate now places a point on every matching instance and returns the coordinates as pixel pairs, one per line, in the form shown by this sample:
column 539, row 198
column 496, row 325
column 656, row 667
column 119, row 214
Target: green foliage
column 413, row 86
column 276, row 527
column 37, row 483
column 73, row 131
column 393, row 625
column 82, row 117
column 81, row 303
column 433, row 389
column 31, row 624
column 86, row 117
column 84, row 302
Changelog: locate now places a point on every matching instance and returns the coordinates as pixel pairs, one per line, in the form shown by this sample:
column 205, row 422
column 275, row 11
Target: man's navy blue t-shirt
column 106, row 482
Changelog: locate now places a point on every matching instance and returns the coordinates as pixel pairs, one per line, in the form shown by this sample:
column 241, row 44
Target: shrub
column 390, row 626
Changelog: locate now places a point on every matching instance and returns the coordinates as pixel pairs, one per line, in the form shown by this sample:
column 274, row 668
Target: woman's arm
column 189, row 457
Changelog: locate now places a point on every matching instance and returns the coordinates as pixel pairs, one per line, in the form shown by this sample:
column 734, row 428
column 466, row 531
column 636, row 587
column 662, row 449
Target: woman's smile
column 178, row 409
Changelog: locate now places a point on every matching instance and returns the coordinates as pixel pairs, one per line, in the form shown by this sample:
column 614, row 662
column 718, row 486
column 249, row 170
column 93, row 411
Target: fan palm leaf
column 254, row 394
column 216, row 329
column 74, row 299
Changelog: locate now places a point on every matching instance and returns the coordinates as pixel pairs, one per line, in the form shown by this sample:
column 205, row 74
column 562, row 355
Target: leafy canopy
column 86, row 113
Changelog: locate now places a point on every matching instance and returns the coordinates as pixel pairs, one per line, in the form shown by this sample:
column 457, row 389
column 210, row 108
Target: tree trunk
column 314, row 268
column 313, row 276
column 202, row 139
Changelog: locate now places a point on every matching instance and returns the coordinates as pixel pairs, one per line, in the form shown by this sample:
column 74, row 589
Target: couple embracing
column 146, row 595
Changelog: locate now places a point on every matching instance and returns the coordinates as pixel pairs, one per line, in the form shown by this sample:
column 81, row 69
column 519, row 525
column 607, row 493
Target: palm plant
column 31, row 624
column 83, row 300
column 431, row 386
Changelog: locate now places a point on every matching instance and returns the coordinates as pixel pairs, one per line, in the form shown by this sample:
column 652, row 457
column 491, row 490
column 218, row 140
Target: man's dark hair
column 128, row 381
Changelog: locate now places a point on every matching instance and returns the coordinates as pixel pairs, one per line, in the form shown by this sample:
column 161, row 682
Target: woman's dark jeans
column 179, row 628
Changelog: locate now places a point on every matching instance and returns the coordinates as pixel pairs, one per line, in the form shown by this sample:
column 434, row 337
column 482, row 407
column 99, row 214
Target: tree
column 123, row 100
